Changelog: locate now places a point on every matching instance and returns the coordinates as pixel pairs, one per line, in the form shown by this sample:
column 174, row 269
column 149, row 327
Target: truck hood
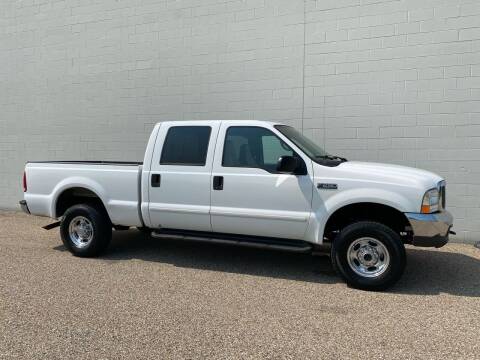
column 393, row 174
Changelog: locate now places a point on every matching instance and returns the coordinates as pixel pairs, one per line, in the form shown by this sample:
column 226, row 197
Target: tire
column 369, row 256
column 86, row 231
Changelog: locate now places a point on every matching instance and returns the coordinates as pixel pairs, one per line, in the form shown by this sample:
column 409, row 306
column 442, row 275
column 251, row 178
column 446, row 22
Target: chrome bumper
column 430, row 230
column 24, row 206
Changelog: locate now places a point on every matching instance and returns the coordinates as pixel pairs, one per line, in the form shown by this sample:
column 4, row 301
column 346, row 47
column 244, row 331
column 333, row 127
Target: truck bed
column 89, row 162
column 116, row 183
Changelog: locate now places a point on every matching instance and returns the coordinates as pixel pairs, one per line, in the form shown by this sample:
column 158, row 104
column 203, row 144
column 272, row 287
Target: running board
column 52, row 226
column 296, row 246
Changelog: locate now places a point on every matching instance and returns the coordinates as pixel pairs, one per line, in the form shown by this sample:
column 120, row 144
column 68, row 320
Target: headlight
column 430, row 201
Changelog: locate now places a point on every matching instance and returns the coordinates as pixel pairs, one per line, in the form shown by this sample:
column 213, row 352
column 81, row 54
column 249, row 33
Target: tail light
column 25, row 181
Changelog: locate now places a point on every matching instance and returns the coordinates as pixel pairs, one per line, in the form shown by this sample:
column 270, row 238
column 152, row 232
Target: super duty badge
column 326, row 186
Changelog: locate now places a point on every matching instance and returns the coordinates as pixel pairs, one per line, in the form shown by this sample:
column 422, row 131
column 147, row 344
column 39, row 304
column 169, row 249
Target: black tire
column 381, row 234
column 100, row 226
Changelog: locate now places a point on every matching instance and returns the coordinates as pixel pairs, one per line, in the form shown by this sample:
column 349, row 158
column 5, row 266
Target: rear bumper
column 430, row 230
column 24, row 206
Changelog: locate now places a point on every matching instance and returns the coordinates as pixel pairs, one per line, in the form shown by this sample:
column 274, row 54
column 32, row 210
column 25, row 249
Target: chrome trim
column 430, row 224
column 81, row 232
column 435, row 226
column 368, row 257
column 442, row 185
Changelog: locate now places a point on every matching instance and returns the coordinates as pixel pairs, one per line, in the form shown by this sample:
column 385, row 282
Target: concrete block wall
column 398, row 82
column 376, row 80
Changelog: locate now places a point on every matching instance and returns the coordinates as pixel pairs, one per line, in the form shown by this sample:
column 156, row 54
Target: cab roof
column 244, row 122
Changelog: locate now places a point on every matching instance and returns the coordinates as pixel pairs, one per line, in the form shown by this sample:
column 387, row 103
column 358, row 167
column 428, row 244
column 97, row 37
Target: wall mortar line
column 303, row 62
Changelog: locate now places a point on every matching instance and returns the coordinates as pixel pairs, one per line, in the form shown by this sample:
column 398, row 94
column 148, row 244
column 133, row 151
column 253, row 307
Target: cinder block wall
column 391, row 81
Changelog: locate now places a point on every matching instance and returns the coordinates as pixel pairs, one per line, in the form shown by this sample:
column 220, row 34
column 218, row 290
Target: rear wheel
column 86, row 231
column 369, row 256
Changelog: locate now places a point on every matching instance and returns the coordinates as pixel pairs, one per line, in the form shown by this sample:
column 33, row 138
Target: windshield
column 304, row 143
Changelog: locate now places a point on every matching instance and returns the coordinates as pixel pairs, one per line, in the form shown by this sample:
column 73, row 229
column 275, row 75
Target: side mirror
column 287, row 164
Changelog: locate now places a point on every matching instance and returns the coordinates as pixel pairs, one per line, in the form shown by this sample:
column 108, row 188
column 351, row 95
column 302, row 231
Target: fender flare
column 77, row 182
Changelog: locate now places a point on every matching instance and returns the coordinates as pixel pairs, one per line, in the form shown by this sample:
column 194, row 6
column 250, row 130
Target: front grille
column 443, row 195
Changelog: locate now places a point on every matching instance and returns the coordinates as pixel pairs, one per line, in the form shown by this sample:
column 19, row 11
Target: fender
column 323, row 210
column 77, row 182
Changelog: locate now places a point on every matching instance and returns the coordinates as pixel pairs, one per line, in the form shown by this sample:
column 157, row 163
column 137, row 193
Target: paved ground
column 160, row 299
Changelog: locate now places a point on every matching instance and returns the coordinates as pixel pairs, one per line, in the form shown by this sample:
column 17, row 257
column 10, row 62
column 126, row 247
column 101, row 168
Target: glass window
column 186, row 145
column 304, row 143
column 253, row 147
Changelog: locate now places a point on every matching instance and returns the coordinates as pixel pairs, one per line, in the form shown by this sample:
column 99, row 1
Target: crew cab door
column 248, row 195
column 180, row 176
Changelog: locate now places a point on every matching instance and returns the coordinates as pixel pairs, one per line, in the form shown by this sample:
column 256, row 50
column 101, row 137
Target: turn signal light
column 425, row 209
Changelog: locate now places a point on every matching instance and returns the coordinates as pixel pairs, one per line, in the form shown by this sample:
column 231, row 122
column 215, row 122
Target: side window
column 186, row 145
column 253, row 147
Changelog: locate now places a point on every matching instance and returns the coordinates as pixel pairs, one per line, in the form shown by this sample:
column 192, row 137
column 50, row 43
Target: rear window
column 186, row 145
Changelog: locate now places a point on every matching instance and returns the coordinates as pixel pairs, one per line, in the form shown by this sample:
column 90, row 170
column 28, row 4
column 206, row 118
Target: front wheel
column 369, row 256
column 85, row 230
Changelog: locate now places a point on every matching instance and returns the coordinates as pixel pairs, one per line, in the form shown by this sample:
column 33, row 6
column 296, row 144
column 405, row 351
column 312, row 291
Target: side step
column 296, row 246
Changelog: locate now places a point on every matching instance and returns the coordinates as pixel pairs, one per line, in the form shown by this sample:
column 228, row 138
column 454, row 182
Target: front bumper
column 24, row 206
column 430, row 230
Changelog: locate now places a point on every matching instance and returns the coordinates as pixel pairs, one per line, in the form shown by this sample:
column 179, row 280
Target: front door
column 248, row 195
column 179, row 185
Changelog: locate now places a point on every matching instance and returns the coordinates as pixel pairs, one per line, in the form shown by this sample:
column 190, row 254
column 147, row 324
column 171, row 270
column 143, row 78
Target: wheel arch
column 366, row 211
column 74, row 195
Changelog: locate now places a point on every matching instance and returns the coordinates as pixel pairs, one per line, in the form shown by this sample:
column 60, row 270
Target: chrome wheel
column 81, row 231
column 368, row 257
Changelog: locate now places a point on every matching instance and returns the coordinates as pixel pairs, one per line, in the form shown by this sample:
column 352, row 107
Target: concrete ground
column 151, row 298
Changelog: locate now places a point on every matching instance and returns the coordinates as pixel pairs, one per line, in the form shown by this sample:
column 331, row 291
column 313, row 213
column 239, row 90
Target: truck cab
column 250, row 183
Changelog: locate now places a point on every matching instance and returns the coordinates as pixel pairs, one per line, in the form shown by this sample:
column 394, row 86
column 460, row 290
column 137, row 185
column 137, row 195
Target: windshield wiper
column 332, row 157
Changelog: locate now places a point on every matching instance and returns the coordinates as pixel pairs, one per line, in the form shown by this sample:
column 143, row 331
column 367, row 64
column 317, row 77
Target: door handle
column 218, row 183
column 156, row 179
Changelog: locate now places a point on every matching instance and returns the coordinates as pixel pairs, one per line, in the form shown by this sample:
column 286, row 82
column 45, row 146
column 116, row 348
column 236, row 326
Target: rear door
column 180, row 175
column 249, row 196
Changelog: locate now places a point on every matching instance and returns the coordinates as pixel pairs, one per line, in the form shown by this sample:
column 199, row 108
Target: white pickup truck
column 250, row 183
